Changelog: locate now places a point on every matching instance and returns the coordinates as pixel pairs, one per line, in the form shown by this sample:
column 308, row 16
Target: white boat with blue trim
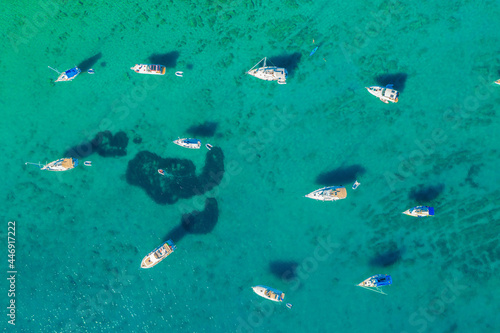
column 420, row 211
column 149, row 69
column 330, row 193
column 68, row 75
column 385, row 94
column 269, row 293
column 269, row 73
column 188, row 143
column 158, row 254
column 374, row 283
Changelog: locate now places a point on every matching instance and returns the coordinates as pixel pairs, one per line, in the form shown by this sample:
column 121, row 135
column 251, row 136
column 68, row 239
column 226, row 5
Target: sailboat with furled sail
column 269, row 73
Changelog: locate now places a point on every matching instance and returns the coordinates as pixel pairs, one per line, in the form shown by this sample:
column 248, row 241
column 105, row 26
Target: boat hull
column 386, row 95
column 149, row 69
column 269, row 293
column 62, row 164
column 331, row 193
column 420, row 211
column 157, row 255
column 69, row 75
column 188, row 143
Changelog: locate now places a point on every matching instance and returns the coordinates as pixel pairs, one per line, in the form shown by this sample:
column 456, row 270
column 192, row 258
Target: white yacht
column 331, row 193
column 149, row 69
column 386, row 94
column 269, row 293
column 158, row 254
column 188, row 143
column 269, row 73
column 420, row 211
column 61, row 164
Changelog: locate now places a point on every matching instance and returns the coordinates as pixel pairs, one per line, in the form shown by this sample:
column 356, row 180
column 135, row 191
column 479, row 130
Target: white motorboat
column 158, row 254
column 269, row 73
column 331, row 193
column 149, row 69
column 420, row 211
column 269, row 293
column 355, row 185
column 497, row 81
column 188, row 143
column 385, row 94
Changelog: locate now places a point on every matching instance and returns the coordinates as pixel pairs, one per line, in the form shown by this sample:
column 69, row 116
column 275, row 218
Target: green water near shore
column 81, row 234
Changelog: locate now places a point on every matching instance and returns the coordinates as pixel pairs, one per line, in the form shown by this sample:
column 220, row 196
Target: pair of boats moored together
column 373, row 283
column 334, row 193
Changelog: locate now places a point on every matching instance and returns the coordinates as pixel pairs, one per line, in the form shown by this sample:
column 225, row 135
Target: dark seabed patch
column 206, row 129
column 168, row 60
column 387, row 258
column 180, row 180
column 89, row 62
column 104, row 143
column 288, row 61
column 425, row 194
column 397, row 79
column 285, row 270
column 340, row 176
column 202, row 222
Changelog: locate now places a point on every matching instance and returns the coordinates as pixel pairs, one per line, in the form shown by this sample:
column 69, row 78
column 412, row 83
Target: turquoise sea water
column 81, row 234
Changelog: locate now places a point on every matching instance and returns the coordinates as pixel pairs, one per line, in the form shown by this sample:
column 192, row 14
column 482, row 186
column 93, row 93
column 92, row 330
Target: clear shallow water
column 81, row 234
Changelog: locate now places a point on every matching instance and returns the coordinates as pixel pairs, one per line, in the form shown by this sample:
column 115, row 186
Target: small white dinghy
column 355, row 185
column 179, row 74
column 188, row 143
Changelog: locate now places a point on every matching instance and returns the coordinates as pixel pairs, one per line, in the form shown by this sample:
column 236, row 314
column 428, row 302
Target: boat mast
column 257, row 64
column 37, row 164
column 55, row 70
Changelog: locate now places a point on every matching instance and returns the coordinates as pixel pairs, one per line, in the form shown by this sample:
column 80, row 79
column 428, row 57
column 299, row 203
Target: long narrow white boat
column 269, row 73
column 149, row 69
column 188, row 143
column 374, row 283
column 420, row 211
column 386, row 94
column 331, row 193
column 269, row 293
column 61, row 164
column 68, row 75
column 158, row 254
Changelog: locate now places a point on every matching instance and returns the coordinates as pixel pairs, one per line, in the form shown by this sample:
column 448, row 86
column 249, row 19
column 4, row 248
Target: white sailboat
column 374, row 283
column 269, row 73
column 331, row 193
column 61, row 164
column 385, row 94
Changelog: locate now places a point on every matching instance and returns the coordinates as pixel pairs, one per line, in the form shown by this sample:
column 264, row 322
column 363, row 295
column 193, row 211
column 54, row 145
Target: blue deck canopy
column 72, row 72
